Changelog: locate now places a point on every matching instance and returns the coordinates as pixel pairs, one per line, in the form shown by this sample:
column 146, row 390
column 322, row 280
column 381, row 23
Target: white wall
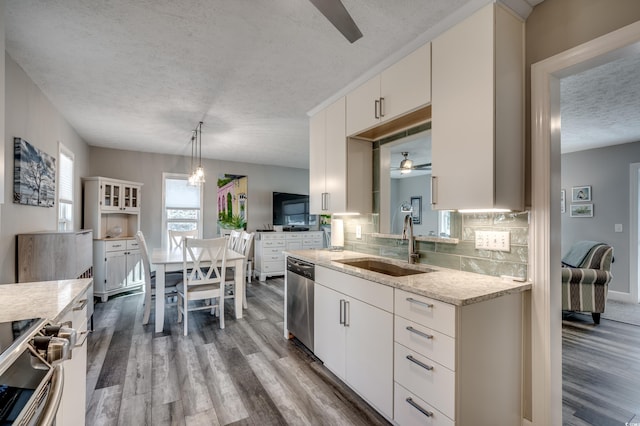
column 148, row 168
column 30, row 115
column 607, row 171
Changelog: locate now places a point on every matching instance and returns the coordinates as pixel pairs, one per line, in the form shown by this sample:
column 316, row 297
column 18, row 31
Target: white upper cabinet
column 478, row 113
column 328, row 160
column 400, row 89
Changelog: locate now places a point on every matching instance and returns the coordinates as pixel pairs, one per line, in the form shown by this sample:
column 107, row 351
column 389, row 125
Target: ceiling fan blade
column 338, row 15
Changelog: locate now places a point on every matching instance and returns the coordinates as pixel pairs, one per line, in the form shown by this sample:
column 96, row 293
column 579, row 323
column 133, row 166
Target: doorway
column 545, row 243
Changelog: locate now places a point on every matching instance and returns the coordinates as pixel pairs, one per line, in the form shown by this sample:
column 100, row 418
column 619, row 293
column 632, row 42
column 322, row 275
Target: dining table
column 170, row 259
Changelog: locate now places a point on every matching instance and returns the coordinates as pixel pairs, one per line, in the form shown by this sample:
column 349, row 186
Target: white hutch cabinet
column 110, row 205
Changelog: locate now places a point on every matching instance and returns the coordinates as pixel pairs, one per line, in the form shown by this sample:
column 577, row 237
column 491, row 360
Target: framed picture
column 581, row 210
column 416, row 210
column 34, row 175
column 580, row 194
column 563, row 203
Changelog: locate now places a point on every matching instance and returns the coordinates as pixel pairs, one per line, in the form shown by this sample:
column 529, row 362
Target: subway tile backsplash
column 462, row 256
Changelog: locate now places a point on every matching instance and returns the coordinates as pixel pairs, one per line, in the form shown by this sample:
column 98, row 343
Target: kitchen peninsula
column 438, row 343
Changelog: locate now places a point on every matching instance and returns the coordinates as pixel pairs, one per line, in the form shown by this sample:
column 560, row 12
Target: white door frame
column 544, row 246
column 634, row 238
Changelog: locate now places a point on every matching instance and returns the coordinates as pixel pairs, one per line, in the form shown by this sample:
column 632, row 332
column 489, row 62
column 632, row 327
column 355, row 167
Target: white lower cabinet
column 72, row 404
column 117, row 267
column 269, row 248
column 354, row 334
column 457, row 364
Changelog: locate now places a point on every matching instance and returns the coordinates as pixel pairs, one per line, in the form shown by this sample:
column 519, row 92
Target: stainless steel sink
column 382, row 267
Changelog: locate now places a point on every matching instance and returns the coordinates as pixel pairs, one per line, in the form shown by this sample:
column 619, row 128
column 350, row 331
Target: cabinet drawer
column 273, row 267
column 426, row 341
column 312, row 243
column 273, row 243
column 430, row 382
column 115, row 245
column 406, row 414
column 431, row 313
column 294, row 236
column 132, row 245
column 272, row 237
column 277, row 257
column 272, row 251
column 378, row 295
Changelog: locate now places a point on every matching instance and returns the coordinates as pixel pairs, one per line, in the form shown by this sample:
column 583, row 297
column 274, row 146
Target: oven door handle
column 52, row 404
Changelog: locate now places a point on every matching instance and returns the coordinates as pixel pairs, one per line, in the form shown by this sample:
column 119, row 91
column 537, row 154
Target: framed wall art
column 416, row 210
column 581, row 210
column 580, row 194
column 34, row 175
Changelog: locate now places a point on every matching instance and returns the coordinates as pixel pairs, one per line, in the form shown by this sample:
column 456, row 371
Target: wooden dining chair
column 204, row 269
column 177, row 237
column 234, row 239
column 243, row 247
column 171, row 279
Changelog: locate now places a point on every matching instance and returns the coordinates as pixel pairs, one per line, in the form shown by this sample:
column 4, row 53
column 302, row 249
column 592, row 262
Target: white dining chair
column 243, row 247
column 204, row 269
column 177, row 237
column 234, row 239
column 171, row 279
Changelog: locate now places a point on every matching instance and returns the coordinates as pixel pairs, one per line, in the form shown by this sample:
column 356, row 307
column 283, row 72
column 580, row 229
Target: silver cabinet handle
column 419, row 408
column 325, row 201
column 81, row 304
column 381, row 107
column 418, row 302
column 342, row 311
column 420, row 363
column 419, row 333
column 347, row 313
column 434, row 201
column 376, row 106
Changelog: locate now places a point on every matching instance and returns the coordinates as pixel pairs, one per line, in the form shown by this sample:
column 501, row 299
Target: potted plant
column 232, row 222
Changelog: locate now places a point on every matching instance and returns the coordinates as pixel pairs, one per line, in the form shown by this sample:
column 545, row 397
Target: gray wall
column 148, row 168
column 31, row 116
column 607, row 171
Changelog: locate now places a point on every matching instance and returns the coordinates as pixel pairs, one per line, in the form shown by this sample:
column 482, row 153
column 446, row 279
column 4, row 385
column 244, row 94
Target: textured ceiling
column 139, row 75
column 601, row 106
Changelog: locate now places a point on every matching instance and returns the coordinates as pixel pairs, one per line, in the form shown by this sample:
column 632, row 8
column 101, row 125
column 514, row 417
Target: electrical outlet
column 493, row 240
column 618, row 227
column 358, row 232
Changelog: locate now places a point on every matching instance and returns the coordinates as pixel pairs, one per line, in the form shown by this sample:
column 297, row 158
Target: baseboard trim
column 620, row 297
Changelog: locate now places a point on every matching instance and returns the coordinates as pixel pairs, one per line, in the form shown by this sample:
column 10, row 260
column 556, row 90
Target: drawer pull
column 419, row 333
column 81, row 304
column 421, row 364
column 419, row 408
column 418, row 302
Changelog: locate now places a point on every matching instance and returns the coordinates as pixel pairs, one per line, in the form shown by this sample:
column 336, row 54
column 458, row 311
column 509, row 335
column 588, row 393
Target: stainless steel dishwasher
column 300, row 278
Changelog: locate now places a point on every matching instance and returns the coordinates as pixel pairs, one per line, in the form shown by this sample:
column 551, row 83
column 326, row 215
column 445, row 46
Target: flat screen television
column 292, row 210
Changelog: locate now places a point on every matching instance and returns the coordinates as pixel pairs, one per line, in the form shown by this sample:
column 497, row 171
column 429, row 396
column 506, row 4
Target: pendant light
column 197, row 175
column 406, row 165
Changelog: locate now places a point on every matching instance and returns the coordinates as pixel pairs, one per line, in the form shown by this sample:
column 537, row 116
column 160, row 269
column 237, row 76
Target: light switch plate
column 493, row 240
column 618, row 227
column 358, row 232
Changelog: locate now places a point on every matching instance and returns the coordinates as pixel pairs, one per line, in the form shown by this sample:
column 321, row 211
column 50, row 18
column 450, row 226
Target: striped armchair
column 584, row 288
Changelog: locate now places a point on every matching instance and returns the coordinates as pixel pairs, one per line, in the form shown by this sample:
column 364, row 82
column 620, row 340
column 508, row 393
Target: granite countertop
column 43, row 299
column 447, row 285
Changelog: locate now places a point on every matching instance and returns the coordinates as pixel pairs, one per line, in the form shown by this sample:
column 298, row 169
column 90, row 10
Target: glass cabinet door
column 110, row 196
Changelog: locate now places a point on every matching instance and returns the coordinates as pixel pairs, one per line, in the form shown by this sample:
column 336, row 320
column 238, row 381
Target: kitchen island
column 439, row 344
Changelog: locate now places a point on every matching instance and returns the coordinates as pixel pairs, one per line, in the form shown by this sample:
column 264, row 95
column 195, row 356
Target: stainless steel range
column 31, row 376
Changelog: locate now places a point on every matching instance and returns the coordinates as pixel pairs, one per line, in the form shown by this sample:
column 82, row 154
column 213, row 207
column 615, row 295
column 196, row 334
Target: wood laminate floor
column 246, row 374
column 600, row 372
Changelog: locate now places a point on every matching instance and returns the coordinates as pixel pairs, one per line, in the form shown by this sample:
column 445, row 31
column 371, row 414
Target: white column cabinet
column 400, row 89
column 328, row 160
column 478, row 113
column 353, row 332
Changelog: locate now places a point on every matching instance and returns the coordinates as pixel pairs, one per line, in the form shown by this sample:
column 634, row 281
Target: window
column 182, row 205
column 65, row 188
